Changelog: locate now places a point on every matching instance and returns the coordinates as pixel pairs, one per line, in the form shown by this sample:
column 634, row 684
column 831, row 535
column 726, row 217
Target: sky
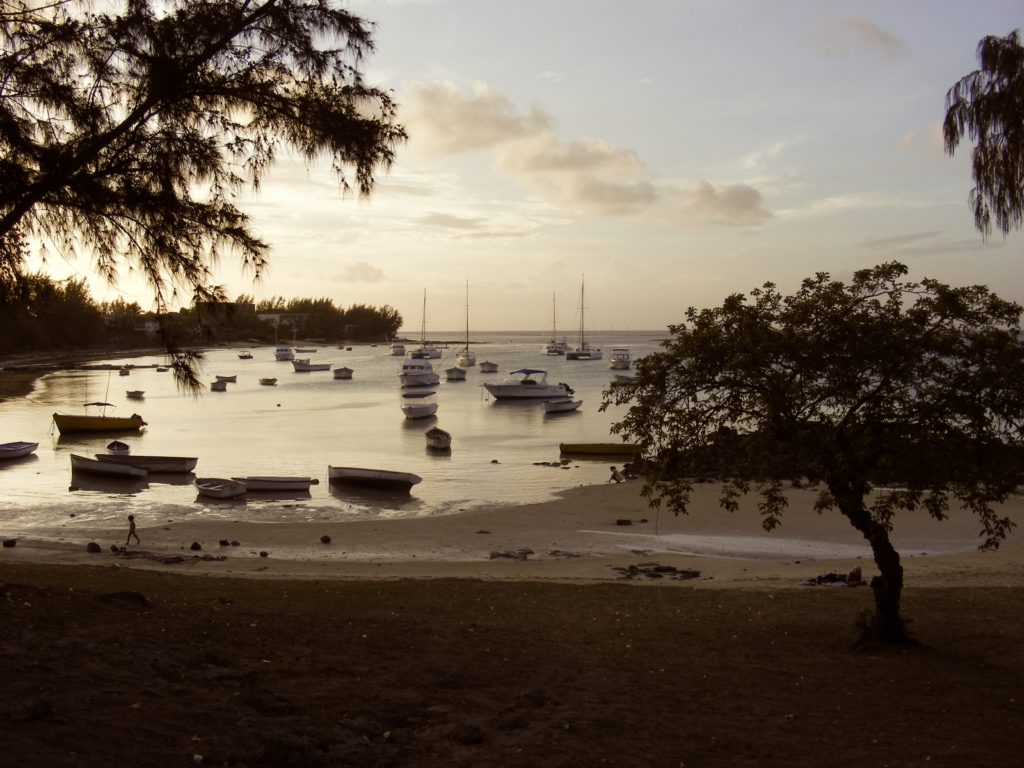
column 663, row 153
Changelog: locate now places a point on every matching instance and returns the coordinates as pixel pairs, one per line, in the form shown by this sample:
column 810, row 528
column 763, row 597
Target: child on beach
column 131, row 531
column 616, row 476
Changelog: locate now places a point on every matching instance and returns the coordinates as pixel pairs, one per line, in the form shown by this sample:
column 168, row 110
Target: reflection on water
column 86, row 481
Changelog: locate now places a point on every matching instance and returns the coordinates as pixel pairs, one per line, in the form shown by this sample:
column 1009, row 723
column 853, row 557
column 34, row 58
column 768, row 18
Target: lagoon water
column 305, row 423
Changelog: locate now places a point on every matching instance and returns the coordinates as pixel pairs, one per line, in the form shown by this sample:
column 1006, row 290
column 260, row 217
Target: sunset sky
column 670, row 151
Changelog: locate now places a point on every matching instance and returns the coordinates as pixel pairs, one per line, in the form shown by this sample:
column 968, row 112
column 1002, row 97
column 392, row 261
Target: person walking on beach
column 616, row 476
column 131, row 531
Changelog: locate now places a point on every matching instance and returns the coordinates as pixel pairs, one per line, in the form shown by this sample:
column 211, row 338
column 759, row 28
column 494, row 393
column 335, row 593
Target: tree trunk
column 888, row 585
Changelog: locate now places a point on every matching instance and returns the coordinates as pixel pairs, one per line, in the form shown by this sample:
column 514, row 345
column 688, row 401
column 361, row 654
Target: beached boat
column 455, row 374
column 218, row 386
column 302, row 365
column 528, row 384
column 116, row 446
column 67, row 422
column 219, row 487
column 373, row 478
column 488, row 367
column 618, row 359
column 284, row 354
column 96, row 467
column 600, row 449
column 562, row 405
column 418, row 405
column 276, row 483
column 229, row 379
column 151, row 463
column 418, row 373
column 555, row 346
column 438, row 439
column 583, row 349
column 268, row 382
column 245, row 355
column 16, row 450
column 135, row 394
column 343, row 373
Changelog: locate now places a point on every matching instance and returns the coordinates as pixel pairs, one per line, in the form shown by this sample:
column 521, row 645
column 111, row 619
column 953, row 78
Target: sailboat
column 425, row 351
column 583, row 350
column 466, row 357
column 554, row 347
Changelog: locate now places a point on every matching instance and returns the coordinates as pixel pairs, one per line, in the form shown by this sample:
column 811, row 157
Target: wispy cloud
column 736, row 204
column 361, row 272
column 448, row 221
column 839, row 37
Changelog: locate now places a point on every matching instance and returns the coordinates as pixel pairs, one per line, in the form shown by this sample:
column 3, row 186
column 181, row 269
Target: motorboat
column 116, row 446
column 397, row 349
column 562, row 405
column 555, row 347
column 67, row 423
column 276, row 483
column 418, row 373
column 618, row 359
column 16, row 449
column 219, row 487
column 135, row 394
column 438, row 439
column 284, row 354
column 96, row 467
column 488, row 367
column 124, row 371
column 373, row 478
column 583, row 349
column 343, row 373
column 455, row 374
column 174, row 464
column 228, row 379
column 302, row 365
column 600, row 449
column 268, row 382
column 418, row 405
column 466, row 357
column 218, row 386
column 528, row 383
column 245, row 355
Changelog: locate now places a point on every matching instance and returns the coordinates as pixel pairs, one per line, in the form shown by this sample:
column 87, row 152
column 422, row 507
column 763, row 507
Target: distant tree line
column 39, row 313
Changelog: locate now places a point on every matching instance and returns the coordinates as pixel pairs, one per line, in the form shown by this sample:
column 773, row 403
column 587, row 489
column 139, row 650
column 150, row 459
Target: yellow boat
column 67, row 422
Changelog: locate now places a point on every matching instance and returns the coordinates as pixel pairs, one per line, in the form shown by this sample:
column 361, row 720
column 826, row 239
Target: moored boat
column 219, row 487
column 305, row 350
column 438, row 439
column 135, row 394
column 284, row 354
column 466, row 357
column 373, row 478
column 397, row 349
column 562, row 405
column 276, row 483
column 488, row 367
column 618, row 359
column 418, row 405
column 151, row 463
column 116, row 446
column 218, row 386
column 16, row 449
column 418, row 373
column 583, row 349
column 455, row 374
column 531, row 384
column 245, row 355
column 229, row 379
column 303, row 365
column 68, row 422
column 268, row 382
column 343, row 373
column 96, row 467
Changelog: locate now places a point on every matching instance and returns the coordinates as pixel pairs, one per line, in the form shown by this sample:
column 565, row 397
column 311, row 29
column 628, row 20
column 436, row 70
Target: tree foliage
column 987, row 106
column 895, row 395
column 128, row 128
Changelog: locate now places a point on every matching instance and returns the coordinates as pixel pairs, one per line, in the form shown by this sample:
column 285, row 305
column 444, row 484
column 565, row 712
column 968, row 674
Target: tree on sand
column 987, row 106
column 128, row 128
column 895, row 395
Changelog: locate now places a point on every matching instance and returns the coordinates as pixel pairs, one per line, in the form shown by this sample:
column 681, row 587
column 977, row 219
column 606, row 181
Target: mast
column 554, row 318
column 582, row 310
column 423, row 321
column 467, row 315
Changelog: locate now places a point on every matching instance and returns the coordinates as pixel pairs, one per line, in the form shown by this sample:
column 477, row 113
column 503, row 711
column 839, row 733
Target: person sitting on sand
column 131, row 531
column 616, row 476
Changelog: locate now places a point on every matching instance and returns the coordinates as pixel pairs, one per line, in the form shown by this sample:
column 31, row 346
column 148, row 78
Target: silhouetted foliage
column 919, row 386
column 987, row 106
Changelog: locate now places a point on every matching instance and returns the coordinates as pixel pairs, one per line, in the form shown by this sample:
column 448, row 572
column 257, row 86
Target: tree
column 987, row 106
column 895, row 395
column 129, row 133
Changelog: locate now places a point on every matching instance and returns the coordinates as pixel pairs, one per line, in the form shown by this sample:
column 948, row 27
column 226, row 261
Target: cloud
column 929, row 143
column 734, row 205
column 362, row 272
column 443, row 118
column 448, row 221
column 842, row 36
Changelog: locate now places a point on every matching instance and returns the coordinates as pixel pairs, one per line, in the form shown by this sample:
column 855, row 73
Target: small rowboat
column 438, row 439
column 116, row 446
column 268, row 382
column 343, row 373
column 271, row 483
column 228, row 379
column 373, row 478
column 219, row 386
column 219, row 487
column 562, row 405
column 16, row 450
column 96, row 467
column 488, row 367
column 151, row 463
column 135, row 394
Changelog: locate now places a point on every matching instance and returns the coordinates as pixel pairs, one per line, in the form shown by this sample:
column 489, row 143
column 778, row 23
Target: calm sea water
column 307, row 422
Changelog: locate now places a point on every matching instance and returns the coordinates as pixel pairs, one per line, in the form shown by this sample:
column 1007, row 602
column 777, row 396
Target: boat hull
column 373, row 478
column 17, row 449
column 273, row 483
column 67, row 422
column 151, row 463
column 526, row 391
column 219, row 487
column 96, row 467
column 438, row 439
column 561, row 406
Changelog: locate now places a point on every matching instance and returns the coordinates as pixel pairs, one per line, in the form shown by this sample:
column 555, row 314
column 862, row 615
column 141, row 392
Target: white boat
column 178, row 464
column 16, row 450
column 135, row 394
column 397, row 349
column 276, row 483
column 528, row 384
column 229, row 379
column 219, row 487
column 373, row 478
column 555, row 347
column 218, row 386
column 245, row 355
column 343, row 373
column 618, row 359
column 455, row 374
column 302, row 365
column 438, row 439
column 418, row 373
column 96, row 467
column 418, row 405
column 488, row 367
column 466, row 357
column 284, row 353
column 583, row 350
column 562, row 405
column 426, row 350
column 268, row 382
column 305, row 350
column 116, row 446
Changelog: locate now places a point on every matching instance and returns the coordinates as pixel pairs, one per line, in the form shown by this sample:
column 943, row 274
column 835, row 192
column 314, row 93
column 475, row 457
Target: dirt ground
column 106, row 666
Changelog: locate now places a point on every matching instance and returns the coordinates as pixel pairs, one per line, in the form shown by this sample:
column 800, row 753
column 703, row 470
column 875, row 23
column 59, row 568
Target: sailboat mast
column 467, row 315
column 582, row 310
